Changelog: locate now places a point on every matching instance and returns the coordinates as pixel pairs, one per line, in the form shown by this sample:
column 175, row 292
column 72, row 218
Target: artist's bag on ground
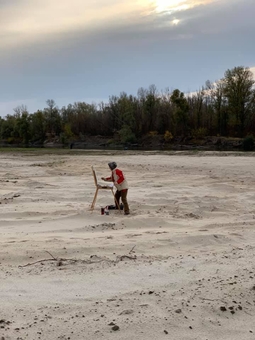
column 113, row 207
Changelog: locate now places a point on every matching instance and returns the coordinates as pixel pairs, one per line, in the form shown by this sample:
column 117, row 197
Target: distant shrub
column 199, row 133
column 153, row 133
column 10, row 140
column 68, row 131
column 248, row 143
column 126, row 135
column 110, row 141
column 168, row 136
column 63, row 138
column 82, row 137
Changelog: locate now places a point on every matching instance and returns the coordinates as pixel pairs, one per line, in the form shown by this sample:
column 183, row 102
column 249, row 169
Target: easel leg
column 94, row 200
column 116, row 201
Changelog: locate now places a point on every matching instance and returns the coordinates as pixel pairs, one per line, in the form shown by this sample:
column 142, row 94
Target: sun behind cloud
column 27, row 22
column 175, row 22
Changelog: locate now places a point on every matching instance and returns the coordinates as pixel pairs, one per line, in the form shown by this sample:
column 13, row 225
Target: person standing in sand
column 121, row 185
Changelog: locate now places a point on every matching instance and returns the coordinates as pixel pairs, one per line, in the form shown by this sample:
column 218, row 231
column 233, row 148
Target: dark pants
column 123, row 195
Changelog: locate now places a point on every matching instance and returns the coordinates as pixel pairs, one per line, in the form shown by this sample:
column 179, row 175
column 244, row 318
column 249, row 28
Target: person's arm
column 107, row 179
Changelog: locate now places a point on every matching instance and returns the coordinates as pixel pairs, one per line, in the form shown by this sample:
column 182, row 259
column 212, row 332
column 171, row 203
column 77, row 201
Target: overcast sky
column 87, row 50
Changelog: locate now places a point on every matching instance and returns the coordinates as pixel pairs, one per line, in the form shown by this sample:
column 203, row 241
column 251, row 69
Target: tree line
column 225, row 108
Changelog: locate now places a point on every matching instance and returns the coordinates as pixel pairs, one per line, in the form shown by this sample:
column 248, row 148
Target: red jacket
column 118, row 179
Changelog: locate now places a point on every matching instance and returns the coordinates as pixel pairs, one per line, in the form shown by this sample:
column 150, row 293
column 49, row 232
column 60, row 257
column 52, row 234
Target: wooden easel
column 104, row 187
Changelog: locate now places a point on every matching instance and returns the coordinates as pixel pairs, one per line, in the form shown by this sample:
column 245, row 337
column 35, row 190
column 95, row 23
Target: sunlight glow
column 27, row 21
column 175, row 22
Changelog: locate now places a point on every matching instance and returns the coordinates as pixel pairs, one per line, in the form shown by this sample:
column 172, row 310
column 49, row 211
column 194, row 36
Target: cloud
column 47, row 25
column 33, row 31
column 136, row 35
column 85, row 49
column 31, row 21
column 170, row 7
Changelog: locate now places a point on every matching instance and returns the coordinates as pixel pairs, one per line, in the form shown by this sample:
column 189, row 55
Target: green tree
column 53, row 118
column 8, row 127
column 85, row 119
column 219, row 106
column 182, row 109
column 24, row 127
column 38, row 126
column 239, row 92
column 165, row 117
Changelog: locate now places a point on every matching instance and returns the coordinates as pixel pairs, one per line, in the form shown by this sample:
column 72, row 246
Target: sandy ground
column 181, row 266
